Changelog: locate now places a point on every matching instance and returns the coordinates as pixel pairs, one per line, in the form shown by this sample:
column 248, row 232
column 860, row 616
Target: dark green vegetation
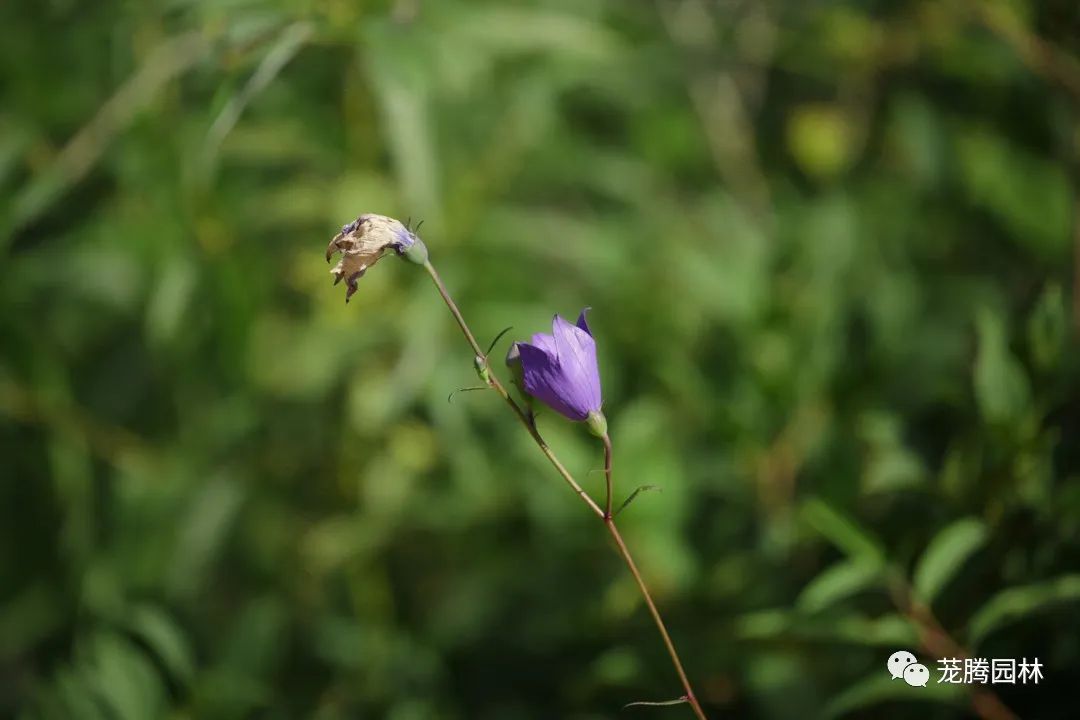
column 828, row 247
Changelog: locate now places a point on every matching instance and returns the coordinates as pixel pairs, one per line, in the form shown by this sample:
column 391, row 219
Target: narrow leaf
column 1001, row 387
column 638, row 491
column 664, row 703
column 885, row 631
column 842, row 532
column 1015, row 603
column 880, row 688
column 497, row 337
column 165, row 638
column 946, row 554
column 450, row 397
column 837, row 582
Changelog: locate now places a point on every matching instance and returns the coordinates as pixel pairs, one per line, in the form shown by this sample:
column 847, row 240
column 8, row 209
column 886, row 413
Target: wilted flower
column 560, row 370
column 366, row 239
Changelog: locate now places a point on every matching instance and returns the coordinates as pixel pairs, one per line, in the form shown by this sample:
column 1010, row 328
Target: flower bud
column 513, row 363
column 560, row 370
column 517, row 376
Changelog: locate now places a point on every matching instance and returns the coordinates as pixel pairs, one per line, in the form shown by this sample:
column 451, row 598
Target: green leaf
column 890, row 465
column 946, row 554
column 71, row 696
column 886, row 631
column 640, row 489
column 1018, row 602
column 1001, row 387
column 125, row 679
column 880, row 687
column 842, row 532
column 277, row 56
column 662, row 703
column 837, row 582
column 1048, row 328
column 165, row 639
column 1036, row 212
column 516, row 30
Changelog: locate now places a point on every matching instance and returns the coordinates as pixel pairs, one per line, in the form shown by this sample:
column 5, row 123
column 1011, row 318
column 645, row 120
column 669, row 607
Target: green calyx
column 416, row 253
column 597, row 423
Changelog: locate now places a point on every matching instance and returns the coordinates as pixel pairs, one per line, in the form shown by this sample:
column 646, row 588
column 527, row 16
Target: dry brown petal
column 361, row 244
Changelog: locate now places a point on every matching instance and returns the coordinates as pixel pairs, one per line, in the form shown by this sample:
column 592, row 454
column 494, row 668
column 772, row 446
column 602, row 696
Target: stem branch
column 498, row 387
column 937, row 641
column 604, row 514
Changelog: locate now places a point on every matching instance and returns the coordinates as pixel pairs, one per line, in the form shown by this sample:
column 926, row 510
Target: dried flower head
column 366, row 239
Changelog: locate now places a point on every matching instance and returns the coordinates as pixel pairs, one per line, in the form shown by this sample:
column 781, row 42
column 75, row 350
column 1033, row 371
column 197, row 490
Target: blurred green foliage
column 829, row 251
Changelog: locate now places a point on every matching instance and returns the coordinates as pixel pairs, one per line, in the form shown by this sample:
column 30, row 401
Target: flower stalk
column 604, row 514
column 691, row 699
column 607, row 476
column 493, row 382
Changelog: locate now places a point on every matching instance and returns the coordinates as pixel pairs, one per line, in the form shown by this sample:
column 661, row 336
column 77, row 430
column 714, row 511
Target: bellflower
column 560, row 370
column 364, row 241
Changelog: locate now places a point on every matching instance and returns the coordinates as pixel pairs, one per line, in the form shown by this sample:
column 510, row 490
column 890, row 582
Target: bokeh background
column 830, row 251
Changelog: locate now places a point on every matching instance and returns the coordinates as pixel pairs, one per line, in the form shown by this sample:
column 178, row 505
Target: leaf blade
column 946, row 554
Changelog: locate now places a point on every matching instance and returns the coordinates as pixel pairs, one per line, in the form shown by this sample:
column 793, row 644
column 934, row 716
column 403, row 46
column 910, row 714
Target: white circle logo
column 898, row 661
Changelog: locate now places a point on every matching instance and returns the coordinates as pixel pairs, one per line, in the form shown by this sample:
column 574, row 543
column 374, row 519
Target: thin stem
column 454, row 310
column 607, row 475
column 498, row 387
column 606, row 516
column 625, row 552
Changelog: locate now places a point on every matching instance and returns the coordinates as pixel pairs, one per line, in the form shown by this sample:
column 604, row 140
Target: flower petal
column 546, row 343
column 577, row 361
column 582, row 323
column 543, row 379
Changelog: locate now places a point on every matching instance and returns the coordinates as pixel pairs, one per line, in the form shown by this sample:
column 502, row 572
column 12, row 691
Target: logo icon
column 903, row 664
column 916, row 675
column 898, row 661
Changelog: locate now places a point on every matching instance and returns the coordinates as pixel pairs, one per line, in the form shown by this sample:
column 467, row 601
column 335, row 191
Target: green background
column 829, row 248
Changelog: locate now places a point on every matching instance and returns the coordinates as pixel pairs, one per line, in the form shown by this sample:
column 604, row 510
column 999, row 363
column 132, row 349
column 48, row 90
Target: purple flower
column 560, row 369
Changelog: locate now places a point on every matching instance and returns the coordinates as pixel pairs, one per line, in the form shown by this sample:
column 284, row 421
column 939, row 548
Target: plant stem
column 937, row 641
column 609, row 522
column 607, row 475
column 604, row 515
column 493, row 382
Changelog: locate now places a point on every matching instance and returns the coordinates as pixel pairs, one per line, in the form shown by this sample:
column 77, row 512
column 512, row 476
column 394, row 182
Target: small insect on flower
column 364, row 241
